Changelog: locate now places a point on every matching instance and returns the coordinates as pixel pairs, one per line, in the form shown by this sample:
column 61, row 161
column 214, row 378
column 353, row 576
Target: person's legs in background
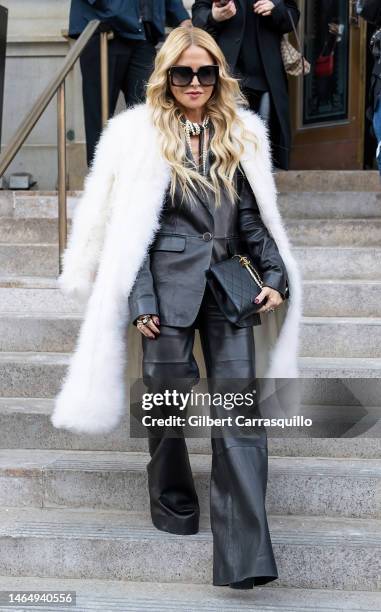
column 91, row 88
column 260, row 102
column 264, row 110
column 130, row 63
column 377, row 131
column 138, row 71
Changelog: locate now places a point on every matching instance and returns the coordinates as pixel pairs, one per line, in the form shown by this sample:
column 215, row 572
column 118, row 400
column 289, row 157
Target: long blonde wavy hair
column 222, row 106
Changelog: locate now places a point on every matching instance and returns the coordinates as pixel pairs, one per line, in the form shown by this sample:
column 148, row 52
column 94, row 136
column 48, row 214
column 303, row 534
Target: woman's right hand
column 150, row 329
column 222, row 13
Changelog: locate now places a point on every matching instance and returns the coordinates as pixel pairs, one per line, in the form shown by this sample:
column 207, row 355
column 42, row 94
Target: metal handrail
column 57, row 86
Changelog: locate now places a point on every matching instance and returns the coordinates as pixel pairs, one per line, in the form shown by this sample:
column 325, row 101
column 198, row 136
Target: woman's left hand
column 263, row 7
column 274, row 299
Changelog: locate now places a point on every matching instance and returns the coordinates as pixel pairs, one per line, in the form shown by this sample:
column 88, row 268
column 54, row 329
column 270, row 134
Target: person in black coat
column 370, row 10
column 138, row 25
column 249, row 34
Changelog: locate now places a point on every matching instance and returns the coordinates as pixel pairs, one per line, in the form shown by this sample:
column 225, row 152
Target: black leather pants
column 242, row 549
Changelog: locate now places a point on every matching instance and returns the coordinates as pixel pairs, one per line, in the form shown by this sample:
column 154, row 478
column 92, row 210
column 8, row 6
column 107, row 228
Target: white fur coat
column 113, row 225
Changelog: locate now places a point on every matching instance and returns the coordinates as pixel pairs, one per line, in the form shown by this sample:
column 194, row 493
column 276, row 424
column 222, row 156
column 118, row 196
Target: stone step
column 32, row 374
column 29, row 259
column 315, row 262
column 339, row 263
column 339, row 336
column 309, row 186
column 129, row 596
column 35, row 230
column 25, row 423
column 334, row 232
column 321, row 336
column 322, row 297
column 341, row 298
column 338, row 367
column 33, row 299
column 118, row 481
column 45, row 332
column 16, row 281
column 321, row 231
column 35, row 204
column 290, row 181
column 39, row 374
column 311, row 552
column 329, row 205
column 328, row 180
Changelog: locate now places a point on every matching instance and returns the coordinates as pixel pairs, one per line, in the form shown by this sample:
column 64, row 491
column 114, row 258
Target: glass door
column 328, row 106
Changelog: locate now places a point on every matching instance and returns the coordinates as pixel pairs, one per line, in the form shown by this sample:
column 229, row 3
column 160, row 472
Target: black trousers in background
column 260, row 102
column 130, row 65
column 242, row 549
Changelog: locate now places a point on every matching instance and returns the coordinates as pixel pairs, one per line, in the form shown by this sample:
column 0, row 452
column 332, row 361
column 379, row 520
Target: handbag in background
column 325, row 65
column 294, row 62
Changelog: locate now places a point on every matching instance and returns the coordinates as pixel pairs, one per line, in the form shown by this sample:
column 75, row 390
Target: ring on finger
column 144, row 320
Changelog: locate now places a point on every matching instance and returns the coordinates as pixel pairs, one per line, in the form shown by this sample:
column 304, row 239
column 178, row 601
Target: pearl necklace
column 195, row 129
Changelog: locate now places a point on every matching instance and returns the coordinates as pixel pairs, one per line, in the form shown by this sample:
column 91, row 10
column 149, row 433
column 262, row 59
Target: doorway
column 328, row 105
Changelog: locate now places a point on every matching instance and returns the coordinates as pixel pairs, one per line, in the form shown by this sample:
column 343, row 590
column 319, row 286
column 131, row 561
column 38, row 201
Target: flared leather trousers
column 242, row 549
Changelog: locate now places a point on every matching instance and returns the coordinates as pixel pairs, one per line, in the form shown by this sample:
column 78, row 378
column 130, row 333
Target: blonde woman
column 179, row 183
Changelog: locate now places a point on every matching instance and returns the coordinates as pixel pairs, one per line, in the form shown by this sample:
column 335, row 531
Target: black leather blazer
column 191, row 236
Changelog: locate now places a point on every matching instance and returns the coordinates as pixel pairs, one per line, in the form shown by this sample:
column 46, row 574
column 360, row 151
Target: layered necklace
column 192, row 128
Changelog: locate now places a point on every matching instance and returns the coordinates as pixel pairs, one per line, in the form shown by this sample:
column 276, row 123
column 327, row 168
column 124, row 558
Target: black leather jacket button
column 207, row 236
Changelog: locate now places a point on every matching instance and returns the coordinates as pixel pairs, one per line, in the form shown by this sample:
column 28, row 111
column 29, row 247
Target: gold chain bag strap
column 247, row 264
column 235, row 283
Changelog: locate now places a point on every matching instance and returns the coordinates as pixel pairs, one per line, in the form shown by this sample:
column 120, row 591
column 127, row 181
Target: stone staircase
column 74, row 509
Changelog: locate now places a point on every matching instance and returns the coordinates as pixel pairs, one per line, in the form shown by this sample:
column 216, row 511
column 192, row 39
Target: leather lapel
column 204, row 198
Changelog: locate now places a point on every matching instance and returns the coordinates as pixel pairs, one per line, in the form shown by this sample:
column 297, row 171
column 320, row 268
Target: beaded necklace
column 196, row 129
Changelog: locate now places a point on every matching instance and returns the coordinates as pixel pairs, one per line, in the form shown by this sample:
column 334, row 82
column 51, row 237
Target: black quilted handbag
column 235, row 283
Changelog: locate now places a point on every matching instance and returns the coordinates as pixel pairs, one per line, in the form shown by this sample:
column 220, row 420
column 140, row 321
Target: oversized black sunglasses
column 182, row 76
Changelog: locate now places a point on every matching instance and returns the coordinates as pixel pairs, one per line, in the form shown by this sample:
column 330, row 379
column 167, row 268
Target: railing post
column 104, row 76
column 61, row 141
